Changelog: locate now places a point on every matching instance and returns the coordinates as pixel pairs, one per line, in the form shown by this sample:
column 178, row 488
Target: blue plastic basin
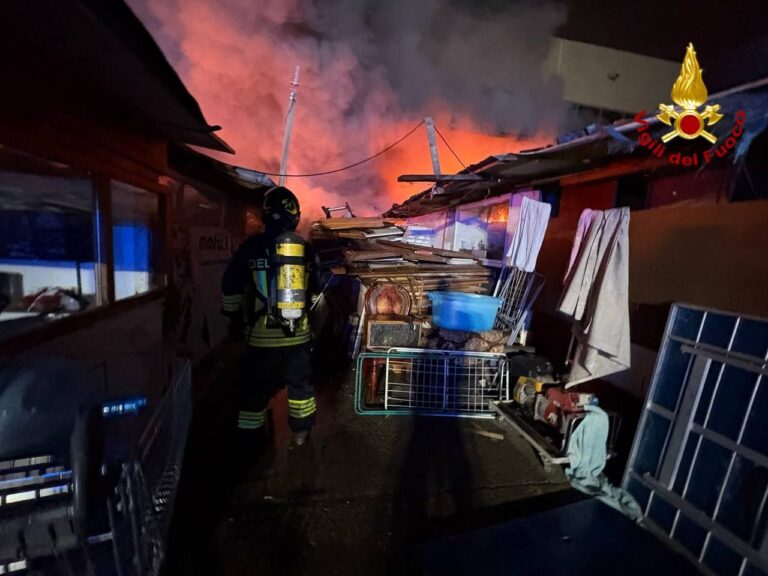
column 467, row 312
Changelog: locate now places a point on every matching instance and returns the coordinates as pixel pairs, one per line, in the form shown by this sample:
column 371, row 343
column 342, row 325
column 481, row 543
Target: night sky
column 662, row 28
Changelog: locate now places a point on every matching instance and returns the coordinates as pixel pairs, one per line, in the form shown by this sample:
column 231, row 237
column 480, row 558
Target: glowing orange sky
column 344, row 113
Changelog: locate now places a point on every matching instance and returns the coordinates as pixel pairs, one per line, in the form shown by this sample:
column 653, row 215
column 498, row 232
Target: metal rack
column 430, row 382
column 518, row 289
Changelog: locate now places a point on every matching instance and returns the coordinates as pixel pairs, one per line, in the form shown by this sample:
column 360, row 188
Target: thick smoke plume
column 370, row 71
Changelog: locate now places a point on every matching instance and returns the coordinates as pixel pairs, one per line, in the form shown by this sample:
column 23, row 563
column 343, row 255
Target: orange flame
column 498, row 213
column 241, row 80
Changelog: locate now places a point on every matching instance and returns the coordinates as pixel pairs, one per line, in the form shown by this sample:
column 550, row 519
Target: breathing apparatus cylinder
column 291, row 278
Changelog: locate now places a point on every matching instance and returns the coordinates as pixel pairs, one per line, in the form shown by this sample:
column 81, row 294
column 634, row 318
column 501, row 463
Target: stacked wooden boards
column 373, row 250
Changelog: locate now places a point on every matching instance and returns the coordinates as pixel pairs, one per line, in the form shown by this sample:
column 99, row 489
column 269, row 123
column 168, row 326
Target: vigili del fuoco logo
column 688, row 121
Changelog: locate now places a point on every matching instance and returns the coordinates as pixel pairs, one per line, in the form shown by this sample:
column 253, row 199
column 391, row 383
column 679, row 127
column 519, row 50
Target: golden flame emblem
column 689, row 92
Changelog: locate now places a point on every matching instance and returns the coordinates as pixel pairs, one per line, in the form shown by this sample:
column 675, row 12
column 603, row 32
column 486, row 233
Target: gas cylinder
column 291, row 278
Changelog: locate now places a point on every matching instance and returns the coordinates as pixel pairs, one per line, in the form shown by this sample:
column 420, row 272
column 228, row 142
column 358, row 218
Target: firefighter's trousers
column 263, row 372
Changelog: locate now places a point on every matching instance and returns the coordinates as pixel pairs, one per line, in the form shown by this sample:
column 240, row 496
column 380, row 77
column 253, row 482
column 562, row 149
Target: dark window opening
column 752, row 180
column 551, row 194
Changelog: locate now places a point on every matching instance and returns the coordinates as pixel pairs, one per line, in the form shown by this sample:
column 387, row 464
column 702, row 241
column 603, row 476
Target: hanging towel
column 526, row 244
column 585, row 220
column 596, row 297
column 587, row 455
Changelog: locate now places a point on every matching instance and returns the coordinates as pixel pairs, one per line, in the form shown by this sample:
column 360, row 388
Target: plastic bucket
column 467, row 312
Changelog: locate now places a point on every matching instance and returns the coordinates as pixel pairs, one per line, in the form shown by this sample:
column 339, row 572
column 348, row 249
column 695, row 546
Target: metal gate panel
column 434, row 382
column 699, row 463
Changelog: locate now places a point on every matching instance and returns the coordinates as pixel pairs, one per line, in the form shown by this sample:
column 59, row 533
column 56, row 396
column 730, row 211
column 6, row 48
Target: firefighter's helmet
column 281, row 209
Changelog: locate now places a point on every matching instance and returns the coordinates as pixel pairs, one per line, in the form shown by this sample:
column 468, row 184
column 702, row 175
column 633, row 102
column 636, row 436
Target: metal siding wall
column 126, row 348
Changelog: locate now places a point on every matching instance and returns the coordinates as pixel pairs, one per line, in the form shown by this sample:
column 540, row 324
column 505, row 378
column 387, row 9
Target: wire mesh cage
column 518, row 290
column 430, row 382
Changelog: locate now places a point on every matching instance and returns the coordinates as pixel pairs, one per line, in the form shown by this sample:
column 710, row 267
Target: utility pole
column 288, row 126
column 430, row 125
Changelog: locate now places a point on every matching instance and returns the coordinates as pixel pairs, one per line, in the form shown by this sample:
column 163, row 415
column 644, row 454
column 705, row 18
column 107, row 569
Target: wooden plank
column 411, row 256
column 422, row 256
column 368, row 255
column 353, row 223
column 436, row 251
column 350, row 234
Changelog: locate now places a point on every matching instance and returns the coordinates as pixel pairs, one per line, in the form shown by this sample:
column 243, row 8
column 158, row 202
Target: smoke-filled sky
column 370, row 70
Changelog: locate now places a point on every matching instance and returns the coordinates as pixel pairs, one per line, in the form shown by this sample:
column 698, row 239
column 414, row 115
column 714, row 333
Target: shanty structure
column 114, row 232
column 695, row 231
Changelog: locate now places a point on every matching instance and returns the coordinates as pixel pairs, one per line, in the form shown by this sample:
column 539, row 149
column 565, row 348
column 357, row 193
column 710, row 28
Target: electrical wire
column 343, row 168
column 449, row 148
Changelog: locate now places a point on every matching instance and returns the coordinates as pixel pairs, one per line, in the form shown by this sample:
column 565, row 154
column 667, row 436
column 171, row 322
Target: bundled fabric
column 596, row 295
column 587, row 456
column 534, row 218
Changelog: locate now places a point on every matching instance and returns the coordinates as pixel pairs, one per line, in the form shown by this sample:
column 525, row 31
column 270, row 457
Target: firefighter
column 278, row 352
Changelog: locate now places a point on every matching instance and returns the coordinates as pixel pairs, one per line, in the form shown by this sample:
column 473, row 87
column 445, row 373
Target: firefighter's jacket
column 248, row 292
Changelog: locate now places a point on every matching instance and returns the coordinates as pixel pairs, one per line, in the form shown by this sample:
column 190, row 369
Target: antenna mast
column 288, row 126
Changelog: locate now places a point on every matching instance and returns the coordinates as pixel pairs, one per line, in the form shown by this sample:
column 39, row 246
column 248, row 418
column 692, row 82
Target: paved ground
column 361, row 497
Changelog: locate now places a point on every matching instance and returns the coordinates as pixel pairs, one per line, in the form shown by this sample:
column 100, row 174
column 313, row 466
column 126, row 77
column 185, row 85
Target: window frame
column 163, row 233
column 107, row 305
column 480, row 204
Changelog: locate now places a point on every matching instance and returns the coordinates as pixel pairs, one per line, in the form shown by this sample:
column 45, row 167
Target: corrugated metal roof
column 503, row 172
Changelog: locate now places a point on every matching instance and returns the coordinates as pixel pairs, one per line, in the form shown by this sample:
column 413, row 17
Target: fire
column 689, row 90
column 238, row 62
column 498, row 213
column 470, row 144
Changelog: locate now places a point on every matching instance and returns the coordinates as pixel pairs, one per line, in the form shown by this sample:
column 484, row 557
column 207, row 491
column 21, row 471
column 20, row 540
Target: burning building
column 120, row 209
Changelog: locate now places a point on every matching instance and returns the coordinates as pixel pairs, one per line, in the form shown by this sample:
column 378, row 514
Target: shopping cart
column 93, row 494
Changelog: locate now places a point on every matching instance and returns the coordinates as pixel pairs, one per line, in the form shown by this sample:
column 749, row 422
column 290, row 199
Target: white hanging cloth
column 526, row 244
column 596, row 295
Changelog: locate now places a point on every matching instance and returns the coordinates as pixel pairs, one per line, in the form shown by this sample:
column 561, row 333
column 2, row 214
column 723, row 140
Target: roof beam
column 440, row 178
column 612, row 170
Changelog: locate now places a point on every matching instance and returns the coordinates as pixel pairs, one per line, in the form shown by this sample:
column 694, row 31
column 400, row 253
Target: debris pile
column 375, row 251
column 490, row 341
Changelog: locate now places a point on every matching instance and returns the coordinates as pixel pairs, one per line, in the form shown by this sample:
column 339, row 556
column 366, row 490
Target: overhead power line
column 449, row 147
column 354, row 165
